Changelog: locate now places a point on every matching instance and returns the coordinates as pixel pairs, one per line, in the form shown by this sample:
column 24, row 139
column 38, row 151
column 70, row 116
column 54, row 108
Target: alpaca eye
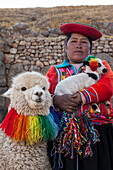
column 43, row 88
column 23, row 88
column 99, row 64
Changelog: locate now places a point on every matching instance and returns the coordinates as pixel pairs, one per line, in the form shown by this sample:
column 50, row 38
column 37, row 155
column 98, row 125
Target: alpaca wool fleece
column 26, row 129
column 16, row 156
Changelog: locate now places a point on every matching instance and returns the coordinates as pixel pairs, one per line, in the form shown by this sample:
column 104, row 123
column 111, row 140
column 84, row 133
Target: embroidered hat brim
column 84, row 29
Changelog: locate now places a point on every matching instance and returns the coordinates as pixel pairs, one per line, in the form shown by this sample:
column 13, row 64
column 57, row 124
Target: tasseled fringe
column 35, row 130
column 20, row 130
column 93, row 62
column 56, row 118
column 40, row 128
column 29, row 128
column 8, row 122
column 54, row 126
column 76, row 133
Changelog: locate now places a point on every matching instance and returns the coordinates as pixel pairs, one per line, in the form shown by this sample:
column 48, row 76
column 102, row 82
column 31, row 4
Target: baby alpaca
column 27, row 126
column 93, row 72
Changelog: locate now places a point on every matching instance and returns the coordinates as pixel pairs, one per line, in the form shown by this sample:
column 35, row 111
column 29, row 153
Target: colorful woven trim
column 28, row 128
column 62, row 73
column 75, row 133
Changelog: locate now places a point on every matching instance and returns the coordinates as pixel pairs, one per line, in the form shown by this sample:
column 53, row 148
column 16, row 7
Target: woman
column 78, row 47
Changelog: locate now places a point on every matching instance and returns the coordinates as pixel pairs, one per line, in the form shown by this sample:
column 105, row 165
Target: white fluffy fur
column 72, row 84
column 16, row 156
column 35, row 100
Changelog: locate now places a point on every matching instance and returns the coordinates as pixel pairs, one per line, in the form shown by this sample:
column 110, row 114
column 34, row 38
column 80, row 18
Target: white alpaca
column 74, row 83
column 30, row 101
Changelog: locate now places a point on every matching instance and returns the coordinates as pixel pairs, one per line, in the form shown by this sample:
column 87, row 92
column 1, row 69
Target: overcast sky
column 50, row 3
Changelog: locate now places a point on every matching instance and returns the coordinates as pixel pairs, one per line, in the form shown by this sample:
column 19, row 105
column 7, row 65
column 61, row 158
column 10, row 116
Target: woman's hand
column 67, row 102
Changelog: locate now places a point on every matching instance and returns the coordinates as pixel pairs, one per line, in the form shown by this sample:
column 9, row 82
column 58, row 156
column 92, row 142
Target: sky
column 50, row 3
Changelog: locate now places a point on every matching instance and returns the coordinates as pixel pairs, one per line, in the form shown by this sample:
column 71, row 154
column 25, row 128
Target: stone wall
column 22, row 50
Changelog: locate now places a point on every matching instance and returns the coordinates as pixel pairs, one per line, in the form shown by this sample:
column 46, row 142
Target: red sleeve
column 52, row 77
column 102, row 90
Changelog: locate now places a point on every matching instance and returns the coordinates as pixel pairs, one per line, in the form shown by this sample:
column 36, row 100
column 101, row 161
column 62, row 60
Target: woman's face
column 78, row 48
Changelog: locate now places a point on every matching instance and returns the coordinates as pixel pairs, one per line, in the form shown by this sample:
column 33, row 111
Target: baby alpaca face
column 96, row 67
column 101, row 69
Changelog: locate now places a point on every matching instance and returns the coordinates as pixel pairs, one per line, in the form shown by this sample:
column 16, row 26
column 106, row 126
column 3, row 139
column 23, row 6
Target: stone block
column 3, row 112
column 2, row 57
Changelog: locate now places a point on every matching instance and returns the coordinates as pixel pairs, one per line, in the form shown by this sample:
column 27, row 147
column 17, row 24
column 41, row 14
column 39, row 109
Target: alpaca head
column 29, row 94
column 94, row 64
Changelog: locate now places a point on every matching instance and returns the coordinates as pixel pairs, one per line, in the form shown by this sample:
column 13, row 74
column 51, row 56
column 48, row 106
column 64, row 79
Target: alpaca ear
column 7, row 93
column 86, row 63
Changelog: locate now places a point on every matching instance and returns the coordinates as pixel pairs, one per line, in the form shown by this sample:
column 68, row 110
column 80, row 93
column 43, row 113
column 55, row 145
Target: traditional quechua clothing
column 97, row 93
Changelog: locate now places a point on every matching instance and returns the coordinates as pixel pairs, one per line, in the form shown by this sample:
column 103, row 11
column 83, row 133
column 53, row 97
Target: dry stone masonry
column 22, row 49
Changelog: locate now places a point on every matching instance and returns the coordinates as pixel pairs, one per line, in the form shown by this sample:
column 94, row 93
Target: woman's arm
column 102, row 90
column 65, row 102
column 52, row 78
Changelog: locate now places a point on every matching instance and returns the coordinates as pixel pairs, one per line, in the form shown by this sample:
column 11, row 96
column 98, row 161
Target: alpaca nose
column 105, row 70
column 38, row 94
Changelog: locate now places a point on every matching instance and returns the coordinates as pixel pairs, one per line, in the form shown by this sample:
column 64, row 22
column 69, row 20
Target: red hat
column 84, row 29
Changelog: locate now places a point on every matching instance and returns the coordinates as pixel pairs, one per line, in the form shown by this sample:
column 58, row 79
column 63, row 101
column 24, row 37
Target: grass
column 40, row 19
